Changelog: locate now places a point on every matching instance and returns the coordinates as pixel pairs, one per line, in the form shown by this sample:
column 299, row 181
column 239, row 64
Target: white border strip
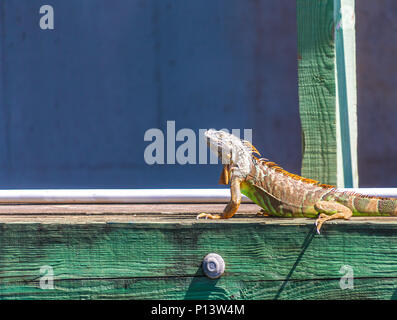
column 142, row 195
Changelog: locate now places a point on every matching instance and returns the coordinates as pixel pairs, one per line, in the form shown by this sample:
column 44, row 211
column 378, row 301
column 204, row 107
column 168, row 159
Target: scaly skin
column 280, row 193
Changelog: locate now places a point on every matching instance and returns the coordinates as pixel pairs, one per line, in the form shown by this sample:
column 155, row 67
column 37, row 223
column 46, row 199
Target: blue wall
column 76, row 101
column 376, row 42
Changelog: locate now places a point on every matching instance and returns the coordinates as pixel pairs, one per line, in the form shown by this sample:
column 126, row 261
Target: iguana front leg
column 337, row 211
column 233, row 205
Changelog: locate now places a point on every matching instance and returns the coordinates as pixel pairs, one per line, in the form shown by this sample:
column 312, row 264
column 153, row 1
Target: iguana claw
column 317, row 229
column 320, row 220
column 207, row 215
column 262, row 213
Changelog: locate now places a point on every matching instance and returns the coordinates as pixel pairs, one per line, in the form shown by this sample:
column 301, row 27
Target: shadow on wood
column 305, row 245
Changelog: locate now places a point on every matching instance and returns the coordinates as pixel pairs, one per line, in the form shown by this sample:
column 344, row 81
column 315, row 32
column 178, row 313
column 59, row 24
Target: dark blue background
column 76, row 101
column 376, row 25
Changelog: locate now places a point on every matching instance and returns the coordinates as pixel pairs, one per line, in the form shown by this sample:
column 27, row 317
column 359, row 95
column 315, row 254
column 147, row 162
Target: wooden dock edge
column 156, row 252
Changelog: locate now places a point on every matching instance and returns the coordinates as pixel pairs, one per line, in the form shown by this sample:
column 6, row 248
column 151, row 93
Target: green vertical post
column 346, row 91
column 327, row 91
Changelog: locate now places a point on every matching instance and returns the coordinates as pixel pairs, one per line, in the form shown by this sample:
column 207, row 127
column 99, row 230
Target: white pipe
column 141, row 195
column 116, row 196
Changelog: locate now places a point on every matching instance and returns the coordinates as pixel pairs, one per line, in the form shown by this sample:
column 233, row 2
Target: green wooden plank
column 327, row 91
column 201, row 288
column 342, row 100
column 316, row 76
column 163, row 260
column 346, row 103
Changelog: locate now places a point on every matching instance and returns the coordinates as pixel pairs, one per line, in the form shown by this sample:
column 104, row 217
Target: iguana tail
column 366, row 205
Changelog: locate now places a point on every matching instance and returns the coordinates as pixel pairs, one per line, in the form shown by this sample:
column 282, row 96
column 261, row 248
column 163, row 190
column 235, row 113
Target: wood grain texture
column 327, row 90
column 119, row 209
column 317, row 94
column 159, row 255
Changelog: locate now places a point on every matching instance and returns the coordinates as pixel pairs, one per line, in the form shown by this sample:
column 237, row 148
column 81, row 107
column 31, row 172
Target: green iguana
column 280, row 193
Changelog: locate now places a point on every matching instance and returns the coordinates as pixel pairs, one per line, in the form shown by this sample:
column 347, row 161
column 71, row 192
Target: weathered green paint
column 342, row 99
column 143, row 260
column 346, row 92
column 316, row 76
column 327, row 91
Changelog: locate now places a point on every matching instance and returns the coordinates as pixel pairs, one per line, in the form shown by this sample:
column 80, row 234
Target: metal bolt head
column 213, row 265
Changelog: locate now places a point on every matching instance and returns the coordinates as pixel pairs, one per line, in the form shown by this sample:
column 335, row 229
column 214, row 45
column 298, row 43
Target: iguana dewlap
column 280, row 193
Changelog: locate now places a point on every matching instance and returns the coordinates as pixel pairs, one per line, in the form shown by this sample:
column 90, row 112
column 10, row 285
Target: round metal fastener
column 213, row 265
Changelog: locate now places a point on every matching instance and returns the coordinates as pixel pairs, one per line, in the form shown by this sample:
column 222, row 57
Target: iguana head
column 234, row 152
